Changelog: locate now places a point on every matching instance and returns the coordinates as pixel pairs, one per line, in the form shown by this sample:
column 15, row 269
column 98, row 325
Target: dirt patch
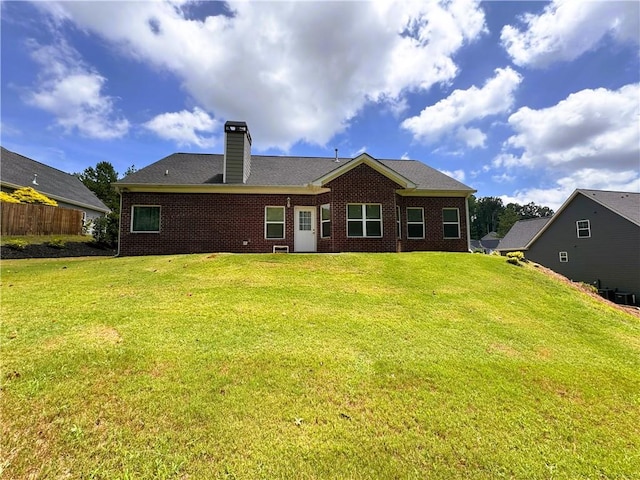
column 635, row 311
column 70, row 249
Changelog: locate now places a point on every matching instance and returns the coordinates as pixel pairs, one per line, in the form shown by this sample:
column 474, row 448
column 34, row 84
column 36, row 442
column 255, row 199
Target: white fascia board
column 236, row 189
column 423, row 192
column 369, row 161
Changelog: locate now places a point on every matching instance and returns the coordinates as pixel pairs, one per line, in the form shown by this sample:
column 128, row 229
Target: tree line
column 489, row 214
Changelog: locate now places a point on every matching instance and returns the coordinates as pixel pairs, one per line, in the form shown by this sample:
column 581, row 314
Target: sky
column 525, row 101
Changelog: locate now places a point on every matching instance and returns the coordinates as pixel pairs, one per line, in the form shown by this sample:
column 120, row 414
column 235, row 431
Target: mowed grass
column 423, row 365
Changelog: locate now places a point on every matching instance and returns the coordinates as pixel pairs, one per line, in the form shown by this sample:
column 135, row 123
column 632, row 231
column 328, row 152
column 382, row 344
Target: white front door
column 305, row 229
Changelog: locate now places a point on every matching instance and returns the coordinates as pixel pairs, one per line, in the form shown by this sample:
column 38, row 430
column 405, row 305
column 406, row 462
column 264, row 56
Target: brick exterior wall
column 203, row 223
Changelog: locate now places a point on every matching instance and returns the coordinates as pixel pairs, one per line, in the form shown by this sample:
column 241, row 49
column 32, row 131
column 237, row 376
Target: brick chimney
column 237, row 152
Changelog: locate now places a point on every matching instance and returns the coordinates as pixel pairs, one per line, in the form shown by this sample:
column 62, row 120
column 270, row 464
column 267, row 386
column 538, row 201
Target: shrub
column 5, row 197
column 515, row 258
column 105, row 229
column 17, row 244
column 58, row 243
column 29, row 195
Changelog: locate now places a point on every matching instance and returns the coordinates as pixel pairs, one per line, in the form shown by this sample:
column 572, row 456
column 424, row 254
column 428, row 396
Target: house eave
column 59, row 198
column 220, row 188
column 426, row 192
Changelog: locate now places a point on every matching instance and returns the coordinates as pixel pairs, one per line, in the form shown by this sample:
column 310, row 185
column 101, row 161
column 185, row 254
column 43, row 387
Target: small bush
column 5, row 197
column 29, row 195
column 58, row 243
column 515, row 258
column 105, row 229
column 17, row 244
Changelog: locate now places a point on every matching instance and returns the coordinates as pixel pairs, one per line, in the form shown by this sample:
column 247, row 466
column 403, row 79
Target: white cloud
column 405, row 156
column 457, row 174
column 355, row 153
column 567, row 29
column 591, row 128
column 451, row 114
column 294, row 71
column 554, row 196
column 186, row 128
column 589, row 140
column 72, row 92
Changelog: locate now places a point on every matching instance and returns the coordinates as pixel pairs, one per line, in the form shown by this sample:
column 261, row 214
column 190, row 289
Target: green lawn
column 424, row 365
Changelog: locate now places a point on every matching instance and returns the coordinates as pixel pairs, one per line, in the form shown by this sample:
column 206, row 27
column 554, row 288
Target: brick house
column 243, row 203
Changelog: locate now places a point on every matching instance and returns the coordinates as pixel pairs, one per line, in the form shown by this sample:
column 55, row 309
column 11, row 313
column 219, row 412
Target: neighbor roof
column 19, row 171
column 625, row 204
column 521, row 233
column 278, row 171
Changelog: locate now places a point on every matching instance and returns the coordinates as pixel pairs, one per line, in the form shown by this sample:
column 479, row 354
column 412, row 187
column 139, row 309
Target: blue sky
column 522, row 100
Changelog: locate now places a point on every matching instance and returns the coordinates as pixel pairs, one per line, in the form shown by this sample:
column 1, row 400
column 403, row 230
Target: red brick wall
column 202, row 223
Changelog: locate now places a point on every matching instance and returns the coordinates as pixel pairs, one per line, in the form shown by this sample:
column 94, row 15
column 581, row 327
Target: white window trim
column 133, row 207
column 322, row 221
column 283, row 222
column 587, row 228
column 364, row 221
column 563, row 256
column 451, row 223
column 415, row 223
column 398, row 222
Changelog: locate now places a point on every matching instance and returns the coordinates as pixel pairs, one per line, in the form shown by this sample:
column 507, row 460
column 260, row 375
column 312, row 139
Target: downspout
column 466, row 207
column 119, row 220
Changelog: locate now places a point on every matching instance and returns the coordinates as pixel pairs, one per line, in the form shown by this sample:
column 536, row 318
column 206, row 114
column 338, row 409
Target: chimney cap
column 235, row 126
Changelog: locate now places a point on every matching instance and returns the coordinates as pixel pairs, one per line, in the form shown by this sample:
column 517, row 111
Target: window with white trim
column 451, row 222
column 398, row 222
column 564, row 257
column 415, row 222
column 364, row 220
column 145, row 218
column 583, row 228
column 274, row 222
column 325, row 220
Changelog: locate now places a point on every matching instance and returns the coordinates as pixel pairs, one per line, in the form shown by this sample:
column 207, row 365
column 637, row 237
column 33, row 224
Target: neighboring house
column 521, row 233
column 17, row 171
column 486, row 244
column 594, row 238
column 239, row 202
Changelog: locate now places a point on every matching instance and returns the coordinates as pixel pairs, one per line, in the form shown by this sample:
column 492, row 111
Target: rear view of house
column 593, row 238
column 244, row 203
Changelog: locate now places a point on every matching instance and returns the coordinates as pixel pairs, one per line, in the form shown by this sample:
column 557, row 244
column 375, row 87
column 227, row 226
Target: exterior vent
column 281, row 249
column 237, row 152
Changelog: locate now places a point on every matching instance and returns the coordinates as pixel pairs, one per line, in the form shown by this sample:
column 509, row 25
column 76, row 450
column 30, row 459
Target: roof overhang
column 425, row 192
column 368, row 160
column 221, row 188
column 58, row 198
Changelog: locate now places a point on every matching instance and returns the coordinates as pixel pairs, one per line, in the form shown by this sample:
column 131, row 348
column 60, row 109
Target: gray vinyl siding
column 611, row 255
column 237, row 158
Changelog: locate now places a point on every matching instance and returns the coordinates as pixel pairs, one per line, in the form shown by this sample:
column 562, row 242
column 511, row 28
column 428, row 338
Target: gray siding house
column 19, row 171
column 593, row 238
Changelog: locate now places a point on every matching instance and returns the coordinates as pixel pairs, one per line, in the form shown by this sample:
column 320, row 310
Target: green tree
column 99, row 180
column 506, row 220
column 485, row 216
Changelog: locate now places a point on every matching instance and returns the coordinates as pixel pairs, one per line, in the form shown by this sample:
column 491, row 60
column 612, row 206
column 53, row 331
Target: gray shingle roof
column 201, row 169
column 626, row 204
column 18, row 171
column 522, row 232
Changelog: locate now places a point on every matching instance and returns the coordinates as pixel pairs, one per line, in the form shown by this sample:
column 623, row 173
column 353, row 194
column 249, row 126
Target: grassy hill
column 423, row 365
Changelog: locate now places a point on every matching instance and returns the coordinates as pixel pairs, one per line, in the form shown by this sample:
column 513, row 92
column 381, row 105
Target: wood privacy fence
column 30, row 219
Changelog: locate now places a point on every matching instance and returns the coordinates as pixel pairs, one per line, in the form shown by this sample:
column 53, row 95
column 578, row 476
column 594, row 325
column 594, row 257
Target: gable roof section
column 205, row 170
column 19, row 171
column 521, row 233
column 369, row 161
column 625, row 204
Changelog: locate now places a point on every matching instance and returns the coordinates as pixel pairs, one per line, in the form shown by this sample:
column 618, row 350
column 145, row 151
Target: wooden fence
column 29, row 219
